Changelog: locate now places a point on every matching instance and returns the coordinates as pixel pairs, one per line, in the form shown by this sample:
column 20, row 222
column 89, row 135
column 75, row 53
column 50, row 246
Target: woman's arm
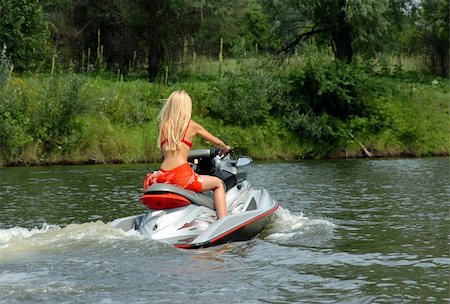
column 217, row 142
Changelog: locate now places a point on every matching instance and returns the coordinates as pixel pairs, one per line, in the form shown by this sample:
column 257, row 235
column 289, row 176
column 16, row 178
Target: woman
column 176, row 131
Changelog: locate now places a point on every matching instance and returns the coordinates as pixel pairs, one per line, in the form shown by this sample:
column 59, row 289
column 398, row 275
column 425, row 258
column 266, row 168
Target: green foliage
column 433, row 35
column 40, row 113
column 370, row 25
column 311, row 107
column 241, row 24
column 336, row 89
column 23, row 29
column 245, row 98
column 13, row 129
column 419, row 116
column 266, row 141
column 150, row 36
column 102, row 141
column 252, row 33
column 345, row 26
column 323, row 96
column 127, row 103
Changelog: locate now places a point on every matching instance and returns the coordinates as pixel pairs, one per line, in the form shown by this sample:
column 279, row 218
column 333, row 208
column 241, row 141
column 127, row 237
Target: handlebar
column 202, row 158
column 214, row 152
column 203, row 154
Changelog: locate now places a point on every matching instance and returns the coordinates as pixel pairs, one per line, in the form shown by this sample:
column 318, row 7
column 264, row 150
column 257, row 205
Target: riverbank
column 83, row 119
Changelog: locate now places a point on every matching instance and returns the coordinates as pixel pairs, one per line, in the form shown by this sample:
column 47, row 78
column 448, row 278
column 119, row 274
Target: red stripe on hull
column 210, row 243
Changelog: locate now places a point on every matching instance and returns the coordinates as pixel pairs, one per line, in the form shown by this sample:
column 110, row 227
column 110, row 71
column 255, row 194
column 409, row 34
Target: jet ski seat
column 201, row 199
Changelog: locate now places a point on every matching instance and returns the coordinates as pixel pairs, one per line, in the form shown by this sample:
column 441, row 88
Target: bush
column 245, row 98
column 322, row 97
column 56, row 125
column 40, row 113
column 81, row 118
column 24, row 31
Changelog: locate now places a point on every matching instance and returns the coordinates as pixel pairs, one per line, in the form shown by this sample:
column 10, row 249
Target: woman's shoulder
column 196, row 128
column 195, row 124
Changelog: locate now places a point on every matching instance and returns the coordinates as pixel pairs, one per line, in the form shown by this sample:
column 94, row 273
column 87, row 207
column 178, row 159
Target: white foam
column 323, row 223
column 22, row 242
column 286, row 221
column 12, row 234
column 287, row 226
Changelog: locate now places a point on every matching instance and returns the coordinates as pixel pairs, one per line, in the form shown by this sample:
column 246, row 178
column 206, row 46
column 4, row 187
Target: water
column 348, row 231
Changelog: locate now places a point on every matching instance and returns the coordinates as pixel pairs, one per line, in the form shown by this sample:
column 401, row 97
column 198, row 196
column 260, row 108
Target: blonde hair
column 173, row 120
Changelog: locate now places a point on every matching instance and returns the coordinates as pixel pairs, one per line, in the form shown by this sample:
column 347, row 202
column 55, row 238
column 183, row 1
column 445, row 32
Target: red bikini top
column 187, row 143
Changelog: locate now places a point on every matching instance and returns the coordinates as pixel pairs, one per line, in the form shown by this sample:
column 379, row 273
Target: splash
column 10, row 235
column 19, row 242
column 297, row 229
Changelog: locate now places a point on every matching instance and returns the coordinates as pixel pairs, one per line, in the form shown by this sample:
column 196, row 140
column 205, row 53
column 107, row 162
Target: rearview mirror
column 243, row 161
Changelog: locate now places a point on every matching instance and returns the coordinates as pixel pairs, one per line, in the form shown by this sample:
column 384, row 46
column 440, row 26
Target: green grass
column 82, row 118
column 418, row 121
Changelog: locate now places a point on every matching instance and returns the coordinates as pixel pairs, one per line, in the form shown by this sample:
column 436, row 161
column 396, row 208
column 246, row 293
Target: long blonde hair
column 173, row 120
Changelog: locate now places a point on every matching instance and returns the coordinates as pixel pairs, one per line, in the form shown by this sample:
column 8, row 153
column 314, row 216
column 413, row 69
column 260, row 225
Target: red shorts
column 182, row 176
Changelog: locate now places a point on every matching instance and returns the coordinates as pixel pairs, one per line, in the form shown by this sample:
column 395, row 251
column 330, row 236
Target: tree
column 433, row 34
column 153, row 31
column 167, row 26
column 345, row 25
column 241, row 24
column 23, row 30
column 97, row 34
column 119, row 30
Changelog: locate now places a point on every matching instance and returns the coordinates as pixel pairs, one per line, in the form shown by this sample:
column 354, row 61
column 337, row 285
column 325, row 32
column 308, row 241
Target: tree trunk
column 154, row 57
column 342, row 37
column 154, row 44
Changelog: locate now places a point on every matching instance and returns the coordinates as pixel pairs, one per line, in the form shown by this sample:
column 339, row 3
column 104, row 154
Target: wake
column 19, row 242
column 296, row 229
column 286, row 228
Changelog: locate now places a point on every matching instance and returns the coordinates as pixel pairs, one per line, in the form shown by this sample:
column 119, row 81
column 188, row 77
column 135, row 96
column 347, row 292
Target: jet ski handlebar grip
column 214, row 152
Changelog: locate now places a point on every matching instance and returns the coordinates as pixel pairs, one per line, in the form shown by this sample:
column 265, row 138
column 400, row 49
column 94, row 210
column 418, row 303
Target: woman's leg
column 216, row 184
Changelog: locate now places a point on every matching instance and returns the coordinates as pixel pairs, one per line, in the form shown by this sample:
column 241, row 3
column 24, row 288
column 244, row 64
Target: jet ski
column 187, row 219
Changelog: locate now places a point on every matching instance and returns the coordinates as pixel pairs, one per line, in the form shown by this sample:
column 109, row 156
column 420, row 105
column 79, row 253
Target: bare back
column 173, row 159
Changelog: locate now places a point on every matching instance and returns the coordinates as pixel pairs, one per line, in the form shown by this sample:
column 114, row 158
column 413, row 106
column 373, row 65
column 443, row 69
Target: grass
column 418, row 125
column 83, row 118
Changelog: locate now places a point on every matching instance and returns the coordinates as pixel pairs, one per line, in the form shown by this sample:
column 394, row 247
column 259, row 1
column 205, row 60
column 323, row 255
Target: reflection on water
column 361, row 231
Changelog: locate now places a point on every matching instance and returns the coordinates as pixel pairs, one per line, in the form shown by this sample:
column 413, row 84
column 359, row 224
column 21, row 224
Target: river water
column 348, row 231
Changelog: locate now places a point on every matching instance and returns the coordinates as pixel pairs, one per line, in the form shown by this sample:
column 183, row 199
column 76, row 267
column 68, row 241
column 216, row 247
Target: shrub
column 40, row 113
column 245, row 98
column 24, row 31
column 53, row 111
column 323, row 95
